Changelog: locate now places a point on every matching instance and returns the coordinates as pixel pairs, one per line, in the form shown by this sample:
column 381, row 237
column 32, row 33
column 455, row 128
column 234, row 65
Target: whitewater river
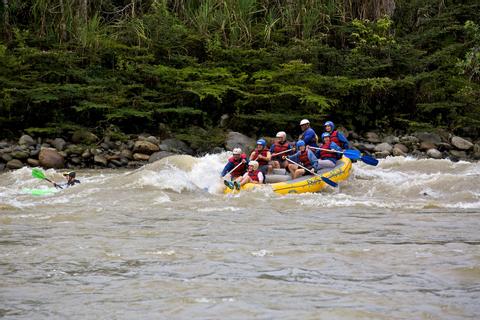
column 396, row 241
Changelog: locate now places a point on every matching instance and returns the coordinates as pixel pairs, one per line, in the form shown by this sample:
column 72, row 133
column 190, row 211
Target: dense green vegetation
column 178, row 65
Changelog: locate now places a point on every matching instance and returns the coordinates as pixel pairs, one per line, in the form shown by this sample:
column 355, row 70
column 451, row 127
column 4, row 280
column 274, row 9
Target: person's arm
column 269, row 156
column 253, row 156
column 334, row 146
column 308, row 136
column 229, row 166
column 343, row 141
column 294, row 157
column 260, row 177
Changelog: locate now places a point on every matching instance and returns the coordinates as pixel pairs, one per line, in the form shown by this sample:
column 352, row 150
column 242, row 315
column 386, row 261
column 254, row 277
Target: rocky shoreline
column 86, row 150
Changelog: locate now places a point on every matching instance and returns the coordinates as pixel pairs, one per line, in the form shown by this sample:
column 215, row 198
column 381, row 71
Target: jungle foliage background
column 177, row 66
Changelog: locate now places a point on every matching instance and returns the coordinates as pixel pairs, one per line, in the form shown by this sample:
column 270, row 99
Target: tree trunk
column 63, row 24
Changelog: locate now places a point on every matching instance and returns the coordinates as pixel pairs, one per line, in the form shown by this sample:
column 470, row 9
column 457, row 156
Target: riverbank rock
column 176, row 146
column 140, row 157
column 84, row 137
column 14, row 164
column 239, row 140
column 145, row 147
column 434, row 153
column 428, row 137
column 26, row 140
column 100, row 160
column 58, row 143
column 51, row 158
column 461, row 143
column 372, row 137
column 384, row 148
column 159, row 155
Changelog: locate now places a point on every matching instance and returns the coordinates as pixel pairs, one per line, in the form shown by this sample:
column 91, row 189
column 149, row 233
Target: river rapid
column 396, row 241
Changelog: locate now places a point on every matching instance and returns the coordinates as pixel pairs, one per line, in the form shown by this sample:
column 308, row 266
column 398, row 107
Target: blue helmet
column 325, row 134
column 329, row 123
column 262, row 142
column 300, row 143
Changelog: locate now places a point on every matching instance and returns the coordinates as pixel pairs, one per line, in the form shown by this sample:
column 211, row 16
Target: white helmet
column 281, row 134
column 304, row 121
column 254, row 164
column 237, row 151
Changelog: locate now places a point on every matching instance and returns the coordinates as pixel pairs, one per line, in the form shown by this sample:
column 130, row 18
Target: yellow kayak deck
column 306, row 183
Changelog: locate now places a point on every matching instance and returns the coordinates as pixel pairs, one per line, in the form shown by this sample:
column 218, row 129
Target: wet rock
column 100, row 160
column 384, row 148
column 125, row 153
column 58, row 143
column 159, row 155
column 238, row 140
column 51, row 158
column 15, row 164
column 34, row 153
column 33, row 162
column 217, row 150
column 391, row 140
column 459, row 154
column 141, row 157
column 84, row 137
column 403, row 148
column 26, row 140
column 176, row 146
column 434, row 153
column 112, row 157
column 153, row 140
column 135, row 164
column 382, row 154
column 87, row 154
column 117, row 163
column 4, row 144
column 76, row 160
column 20, row 155
column 443, row 146
column 6, row 157
column 364, row 146
column 2, row 166
column 74, row 149
column 145, row 147
column 409, row 141
column 372, row 137
column 428, row 137
column 398, row 152
column 224, row 120
column 461, row 143
column 425, row 145
column 476, row 151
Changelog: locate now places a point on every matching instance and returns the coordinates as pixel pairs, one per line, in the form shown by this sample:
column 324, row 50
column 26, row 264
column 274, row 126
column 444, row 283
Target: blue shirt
column 311, row 156
column 310, row 137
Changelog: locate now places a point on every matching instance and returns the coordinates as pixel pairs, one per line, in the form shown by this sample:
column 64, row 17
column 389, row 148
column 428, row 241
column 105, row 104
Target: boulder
column 145, row 147
column 434, row 153
column 459, row 154
column 401, row 147
column 58, row 143
column 20, row 155
column 6, row 157
column 383, row 147
column 141, row 157
column 2, row 166
column 364, row 146
column 74, row 149
column 409, row 141
column 76, row 160
column 425, row 145
column 476, row 151
column 51, row 158
column 398, row 152
column 443, row 146
column 86, row 154
column 238, row 140
column 100, row 160
column 33, row 162
column 84, row 137
column 461, row 143
column 428, row 137
column 382, row 154
column 125, row 153
column 391, row 140
column 372, row 137
column 14, row 164
column 159, row 155
column 26, row 140
column 153, row 140
column 176, row 146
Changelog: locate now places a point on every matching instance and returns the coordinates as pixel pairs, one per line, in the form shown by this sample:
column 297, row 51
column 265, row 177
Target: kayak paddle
column 37, row 173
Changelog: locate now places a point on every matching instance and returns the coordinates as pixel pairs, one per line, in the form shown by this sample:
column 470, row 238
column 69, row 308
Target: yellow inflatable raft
column 303, row 184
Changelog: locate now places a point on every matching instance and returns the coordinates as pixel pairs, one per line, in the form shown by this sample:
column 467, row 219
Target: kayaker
column 237, row 164
column 280, row 148
column 71, row 181
column 253, row 175
column 308, row 135
column 328, row 159
column 336, row 136
column 262, row 155
column 304, row 157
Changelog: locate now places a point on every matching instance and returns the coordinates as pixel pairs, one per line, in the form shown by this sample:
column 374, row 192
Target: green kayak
column 40, row 192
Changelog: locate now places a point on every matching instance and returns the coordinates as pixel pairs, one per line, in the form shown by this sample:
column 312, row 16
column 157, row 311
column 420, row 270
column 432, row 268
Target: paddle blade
column 37, row 173
column 330, row 182
column 352, row 154
column 369, row 160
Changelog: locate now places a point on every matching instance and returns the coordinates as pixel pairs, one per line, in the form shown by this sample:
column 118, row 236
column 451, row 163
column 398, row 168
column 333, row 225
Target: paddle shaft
column 298, row 164
column 331, row 150
column 324, row 179
column 281, row 152
column 238, row 165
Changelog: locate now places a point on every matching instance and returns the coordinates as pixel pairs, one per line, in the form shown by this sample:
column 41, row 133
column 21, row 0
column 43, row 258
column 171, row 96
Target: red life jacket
column 327, row 154
column 334, row 137
column 303, row 156
column 241, row 168
column 254, row 175
column 280, row 147
column 263, row 153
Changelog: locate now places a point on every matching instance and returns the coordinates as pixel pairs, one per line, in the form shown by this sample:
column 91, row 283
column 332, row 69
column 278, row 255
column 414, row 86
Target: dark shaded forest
column 178, row 67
